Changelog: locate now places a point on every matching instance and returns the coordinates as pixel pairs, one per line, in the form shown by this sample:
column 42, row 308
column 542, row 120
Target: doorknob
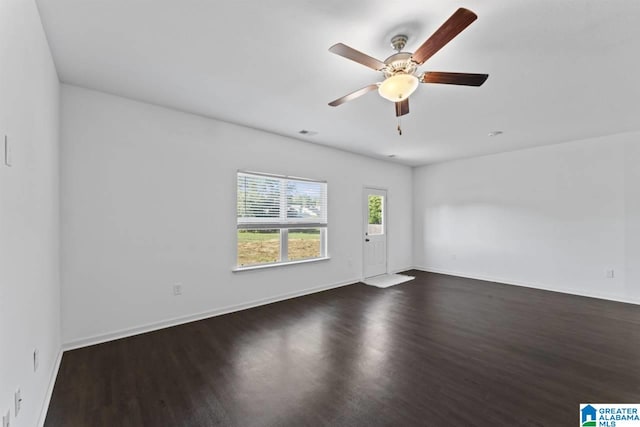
column 366, row 240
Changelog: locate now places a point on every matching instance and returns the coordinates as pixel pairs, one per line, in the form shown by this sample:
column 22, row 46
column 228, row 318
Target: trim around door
column 365, row 223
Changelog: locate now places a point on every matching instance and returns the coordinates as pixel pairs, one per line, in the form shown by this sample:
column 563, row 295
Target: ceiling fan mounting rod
column 398, row 42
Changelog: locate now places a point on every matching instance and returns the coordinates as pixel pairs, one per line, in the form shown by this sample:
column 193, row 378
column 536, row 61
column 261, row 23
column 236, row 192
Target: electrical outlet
column 18, row 401
column 36, row 359
column 610, row 274
column 6, row 419
column 177, row 289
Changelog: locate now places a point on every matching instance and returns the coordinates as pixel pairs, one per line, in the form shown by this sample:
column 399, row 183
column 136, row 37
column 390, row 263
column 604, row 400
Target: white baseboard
column 123, row 333
column 543, row 287
column 52, row 382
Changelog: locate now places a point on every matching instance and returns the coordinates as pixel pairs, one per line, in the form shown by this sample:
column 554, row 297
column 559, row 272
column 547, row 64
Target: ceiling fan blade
column 402, row 107
column 464, row 79
column 460, row 20
column 357, row 56
column 353, row 95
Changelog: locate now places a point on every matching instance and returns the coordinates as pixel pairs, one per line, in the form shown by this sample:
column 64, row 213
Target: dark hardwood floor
column 436, row 351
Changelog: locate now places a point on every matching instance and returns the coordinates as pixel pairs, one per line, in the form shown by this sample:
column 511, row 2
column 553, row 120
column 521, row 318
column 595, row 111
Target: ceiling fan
column 401, row 69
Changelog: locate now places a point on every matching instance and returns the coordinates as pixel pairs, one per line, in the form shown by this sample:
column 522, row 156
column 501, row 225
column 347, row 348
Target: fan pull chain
column 399, row 128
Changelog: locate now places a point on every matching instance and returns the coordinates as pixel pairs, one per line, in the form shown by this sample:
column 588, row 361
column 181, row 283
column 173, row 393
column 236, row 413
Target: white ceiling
column 559, row 69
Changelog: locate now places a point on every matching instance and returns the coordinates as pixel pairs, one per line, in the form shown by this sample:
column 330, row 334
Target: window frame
column 283, row 223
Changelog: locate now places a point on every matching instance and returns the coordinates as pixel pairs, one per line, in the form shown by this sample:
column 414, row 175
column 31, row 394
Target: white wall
column 29, row 213
column 148, row 199
column 554, row 217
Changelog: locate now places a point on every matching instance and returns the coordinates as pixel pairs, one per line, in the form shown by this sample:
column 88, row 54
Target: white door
column 375, row 232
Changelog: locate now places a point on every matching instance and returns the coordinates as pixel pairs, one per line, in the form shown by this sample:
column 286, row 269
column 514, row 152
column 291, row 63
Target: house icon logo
column 588, row 416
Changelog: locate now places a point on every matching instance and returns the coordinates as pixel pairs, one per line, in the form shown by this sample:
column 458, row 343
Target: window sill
column 279, row 264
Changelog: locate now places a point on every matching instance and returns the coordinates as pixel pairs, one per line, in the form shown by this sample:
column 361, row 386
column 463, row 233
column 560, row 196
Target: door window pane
column 258, row 247
column 376, row 215
column 304, row 243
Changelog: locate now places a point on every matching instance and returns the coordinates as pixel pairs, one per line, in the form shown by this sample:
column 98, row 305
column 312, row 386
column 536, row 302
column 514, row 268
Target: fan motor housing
column 400, row 62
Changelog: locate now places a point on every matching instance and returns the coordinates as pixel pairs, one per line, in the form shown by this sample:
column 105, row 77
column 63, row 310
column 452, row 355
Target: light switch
column 8, row 161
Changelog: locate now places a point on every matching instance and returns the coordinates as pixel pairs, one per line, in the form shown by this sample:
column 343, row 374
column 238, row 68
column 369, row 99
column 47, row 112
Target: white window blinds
column 270, row 201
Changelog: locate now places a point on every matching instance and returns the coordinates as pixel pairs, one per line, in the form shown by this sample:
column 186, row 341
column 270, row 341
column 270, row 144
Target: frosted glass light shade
column 399, row 87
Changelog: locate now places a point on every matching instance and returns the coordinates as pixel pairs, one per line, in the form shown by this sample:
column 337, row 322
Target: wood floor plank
column 439, row 350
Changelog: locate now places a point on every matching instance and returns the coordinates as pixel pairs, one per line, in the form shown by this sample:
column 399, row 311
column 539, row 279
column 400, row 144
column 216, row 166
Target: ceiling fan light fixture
column 398, row 87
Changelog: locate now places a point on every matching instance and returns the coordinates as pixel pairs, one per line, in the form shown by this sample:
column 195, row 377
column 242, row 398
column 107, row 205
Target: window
column 280, row 219
column 376, row 215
